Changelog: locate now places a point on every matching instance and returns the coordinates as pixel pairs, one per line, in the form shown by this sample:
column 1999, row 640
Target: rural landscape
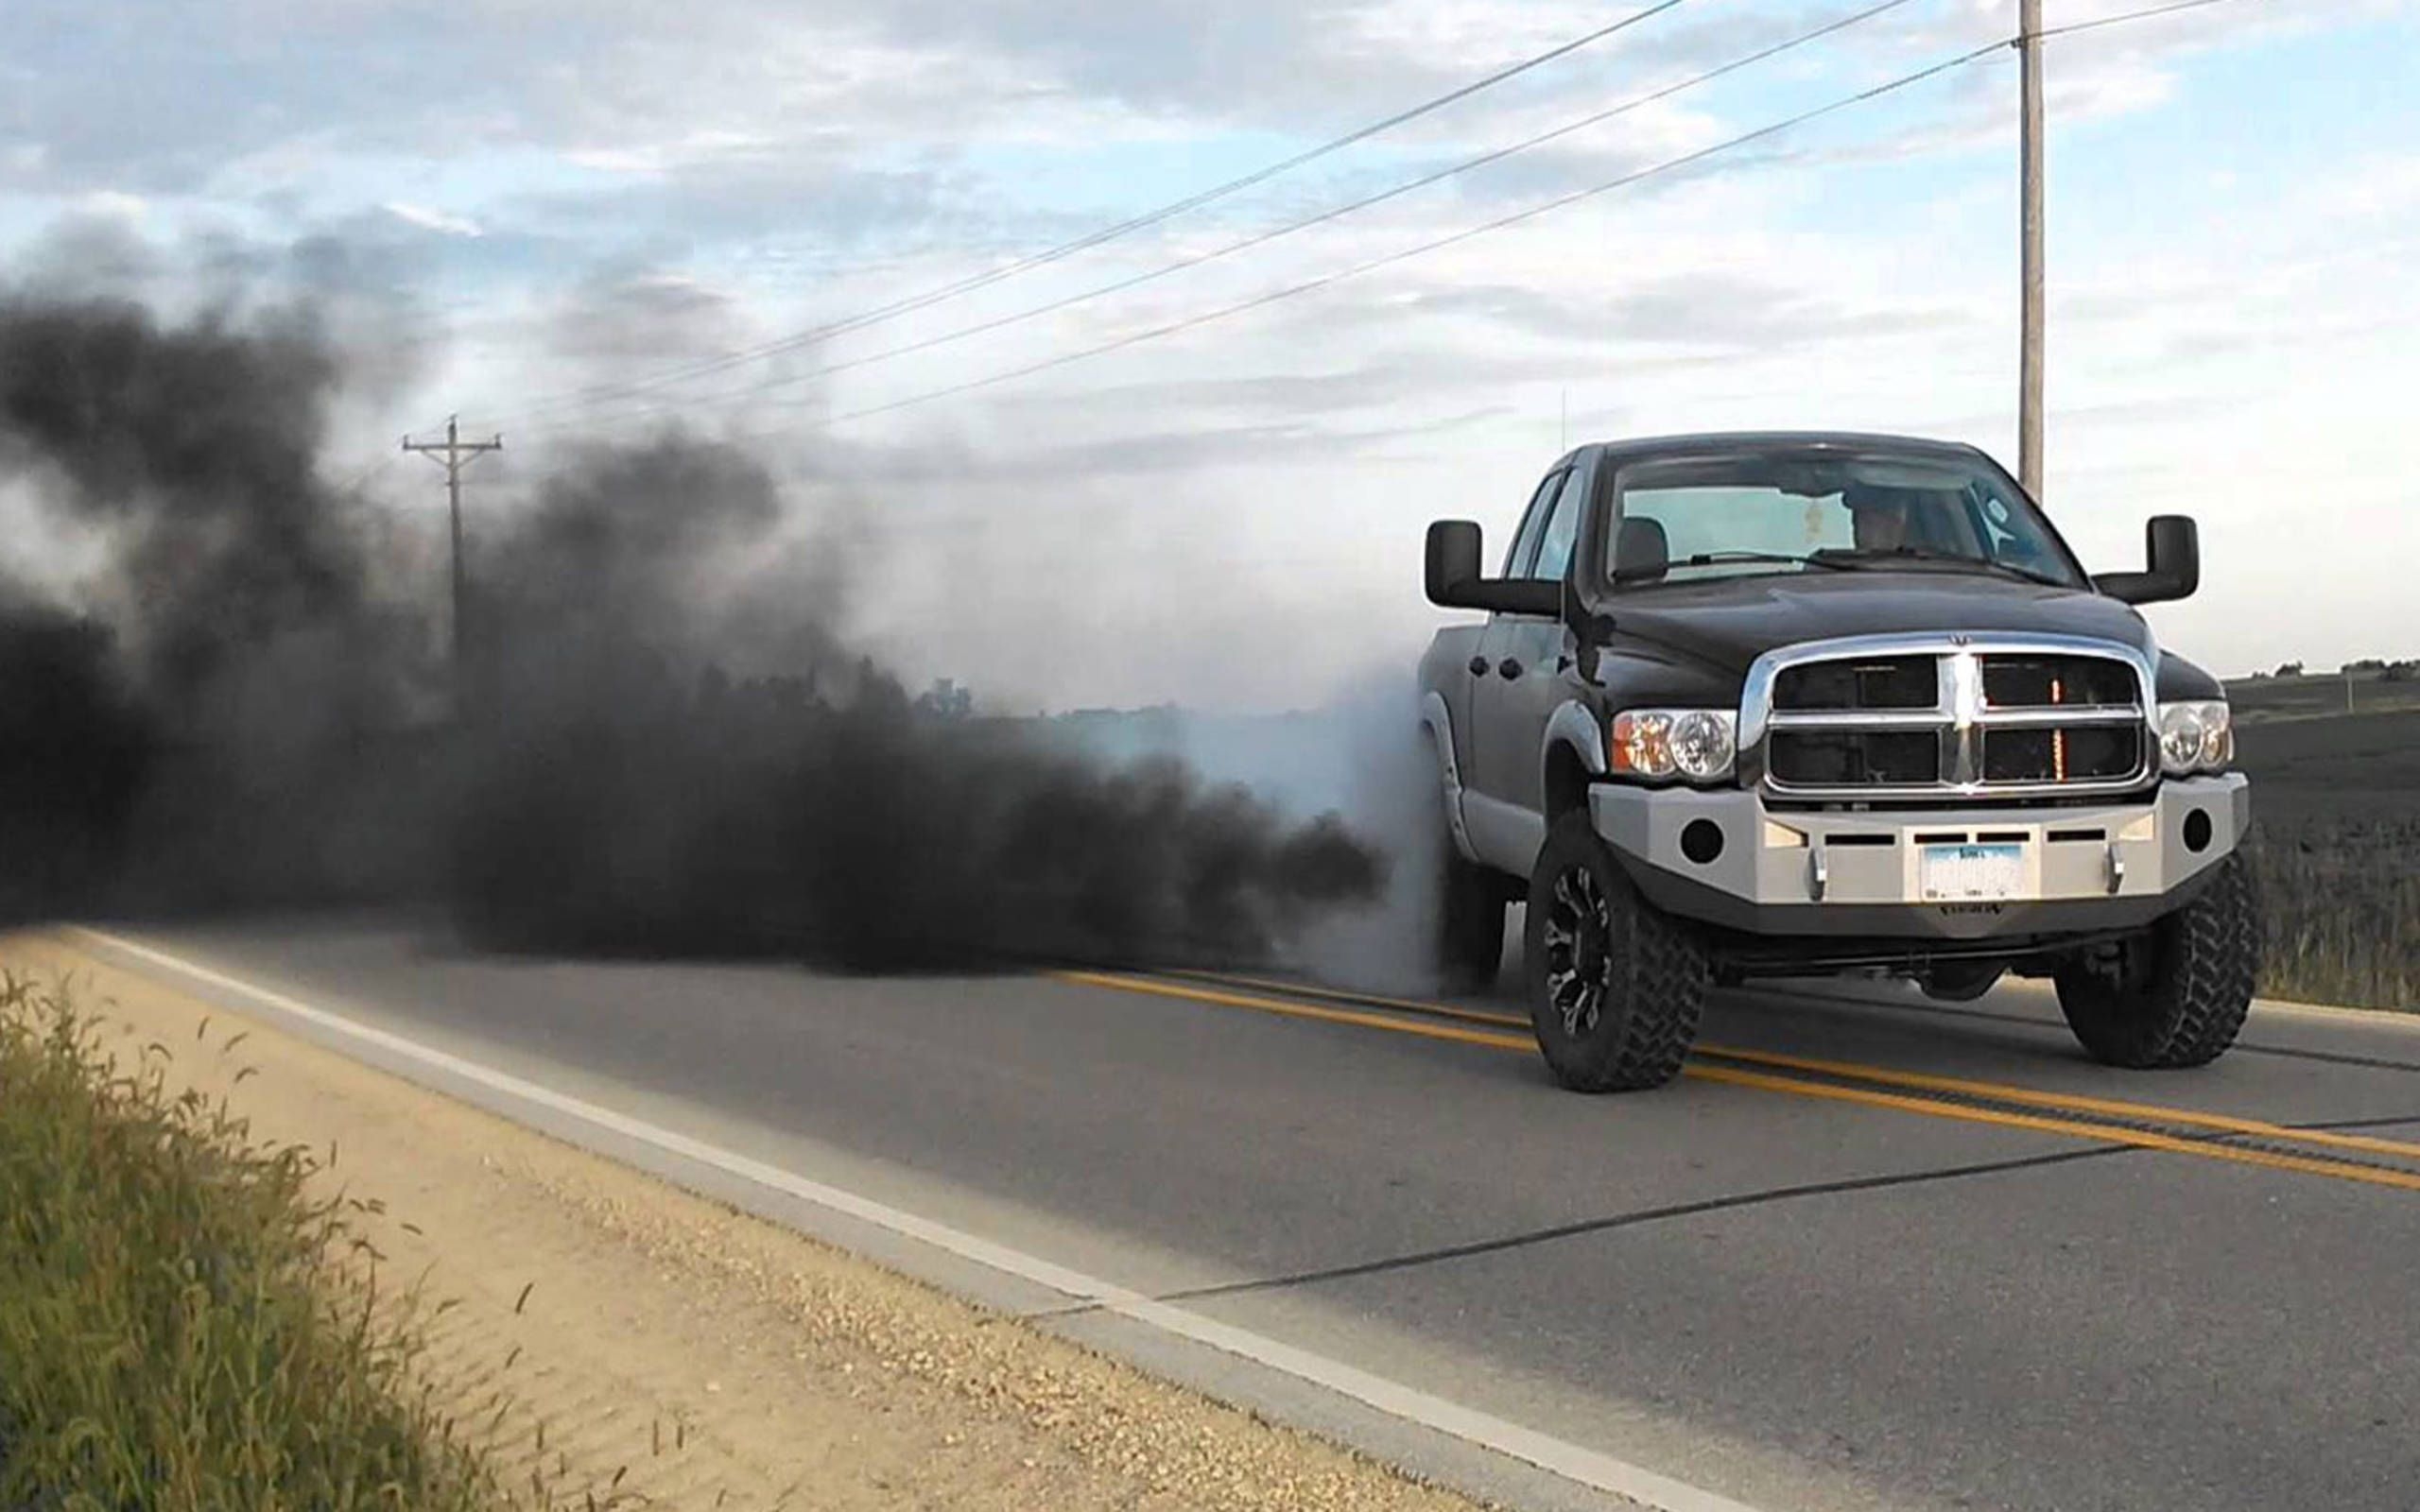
column 2335, row 764
column 1381, row 756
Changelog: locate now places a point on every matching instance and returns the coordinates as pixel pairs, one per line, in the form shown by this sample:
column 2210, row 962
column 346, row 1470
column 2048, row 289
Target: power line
column 1404, row 254
column 1310, row 286
column 1547, row 207
column 360, row 478
column 2032, row 299
column 1106, row 233
column 2144, row 14
column 1264, row 237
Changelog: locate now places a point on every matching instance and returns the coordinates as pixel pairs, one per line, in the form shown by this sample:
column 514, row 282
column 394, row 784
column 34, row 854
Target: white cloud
column 110, row 204
column 436, row 220
column 625, row 186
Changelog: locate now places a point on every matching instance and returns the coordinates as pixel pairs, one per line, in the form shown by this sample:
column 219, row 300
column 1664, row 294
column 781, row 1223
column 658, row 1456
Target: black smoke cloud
column 188, row 719
column 661, row 743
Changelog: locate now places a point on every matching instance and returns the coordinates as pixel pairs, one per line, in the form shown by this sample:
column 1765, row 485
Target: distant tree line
column 2383, row 669
column 2379, row 668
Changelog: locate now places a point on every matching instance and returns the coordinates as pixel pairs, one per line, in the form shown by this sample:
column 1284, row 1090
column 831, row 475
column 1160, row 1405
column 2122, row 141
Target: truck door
column 1466, row 683
column 1523, row 685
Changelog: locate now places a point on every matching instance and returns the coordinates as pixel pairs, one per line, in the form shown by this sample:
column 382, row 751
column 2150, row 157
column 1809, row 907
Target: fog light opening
column 2197, row 831
column 1701, row 841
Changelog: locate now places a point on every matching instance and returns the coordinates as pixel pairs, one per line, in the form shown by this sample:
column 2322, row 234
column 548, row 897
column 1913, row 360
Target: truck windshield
column 1782, row 512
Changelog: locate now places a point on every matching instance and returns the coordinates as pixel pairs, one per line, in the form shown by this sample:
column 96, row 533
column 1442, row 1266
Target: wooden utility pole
column 453, row 453
column 2029, row 400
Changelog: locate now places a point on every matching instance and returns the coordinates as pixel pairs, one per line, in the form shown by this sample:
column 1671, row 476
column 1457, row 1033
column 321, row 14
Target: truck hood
column 1729, row 623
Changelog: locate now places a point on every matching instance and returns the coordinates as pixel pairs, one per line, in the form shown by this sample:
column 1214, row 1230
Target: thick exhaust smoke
column 664, row 742
column 75, row 751
column 188, row 714
column 1363, row 756
column 676, row 752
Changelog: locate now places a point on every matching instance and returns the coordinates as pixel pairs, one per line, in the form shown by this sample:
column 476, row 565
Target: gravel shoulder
column 641, row 1345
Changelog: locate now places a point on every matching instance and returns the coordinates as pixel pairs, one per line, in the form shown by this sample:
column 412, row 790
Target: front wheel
column 1616, row 987
column 2176, row 994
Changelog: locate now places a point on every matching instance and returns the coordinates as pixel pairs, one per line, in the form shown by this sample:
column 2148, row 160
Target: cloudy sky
column 569, row 218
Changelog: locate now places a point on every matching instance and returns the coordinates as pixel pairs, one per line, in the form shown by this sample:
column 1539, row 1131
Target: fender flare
column 1572, row 725
column 1439, row 722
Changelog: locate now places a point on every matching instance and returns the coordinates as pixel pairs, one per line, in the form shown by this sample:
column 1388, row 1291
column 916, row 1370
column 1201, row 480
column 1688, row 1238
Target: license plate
column 1970, row 873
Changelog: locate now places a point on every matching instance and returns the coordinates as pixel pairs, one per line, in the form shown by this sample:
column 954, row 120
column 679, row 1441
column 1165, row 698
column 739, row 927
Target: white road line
column 1586, row 1467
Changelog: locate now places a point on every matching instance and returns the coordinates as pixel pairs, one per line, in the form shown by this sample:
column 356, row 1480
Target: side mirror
column 2173, row 547
column 1453, row 580
column 1453, row 561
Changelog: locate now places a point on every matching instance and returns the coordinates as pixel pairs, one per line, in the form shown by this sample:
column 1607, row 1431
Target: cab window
column 1563, row 530
column 1525, row 545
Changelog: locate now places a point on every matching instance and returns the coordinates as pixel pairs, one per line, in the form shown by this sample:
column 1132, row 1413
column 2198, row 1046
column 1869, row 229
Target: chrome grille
column 1919, row 716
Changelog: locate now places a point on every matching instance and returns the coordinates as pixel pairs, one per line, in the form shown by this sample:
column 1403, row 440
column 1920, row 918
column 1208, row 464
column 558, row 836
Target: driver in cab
column 1880, row 520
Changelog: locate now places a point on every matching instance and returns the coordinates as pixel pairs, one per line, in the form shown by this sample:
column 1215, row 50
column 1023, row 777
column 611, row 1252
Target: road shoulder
column 665, row 1349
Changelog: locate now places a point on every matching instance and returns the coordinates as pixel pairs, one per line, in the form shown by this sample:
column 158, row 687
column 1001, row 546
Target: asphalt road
column 1821, row 1286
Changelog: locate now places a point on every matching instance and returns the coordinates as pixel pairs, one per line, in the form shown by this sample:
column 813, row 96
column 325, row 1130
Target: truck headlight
column 2195, row 737
column 1695, row 745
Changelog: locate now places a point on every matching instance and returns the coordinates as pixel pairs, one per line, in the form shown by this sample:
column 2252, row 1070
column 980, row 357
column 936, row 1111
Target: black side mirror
column 2172, row 549
column 1453, row 580
column 1453, row 561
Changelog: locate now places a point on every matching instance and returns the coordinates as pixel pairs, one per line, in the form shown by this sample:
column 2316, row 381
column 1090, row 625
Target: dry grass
column 2341, row 904
column 183, row 1326
column 2336, row 849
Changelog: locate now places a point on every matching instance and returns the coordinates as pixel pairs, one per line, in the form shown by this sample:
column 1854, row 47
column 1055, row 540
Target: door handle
column 1508, row 668
column 1479, row 666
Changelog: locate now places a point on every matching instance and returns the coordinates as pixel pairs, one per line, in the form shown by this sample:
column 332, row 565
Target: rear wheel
column 2176, row 994
column 1469, row 925
column 1616, row 987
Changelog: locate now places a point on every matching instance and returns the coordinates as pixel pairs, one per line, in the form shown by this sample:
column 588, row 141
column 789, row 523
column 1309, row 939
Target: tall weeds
column 183, row 1325
column 2340, row 902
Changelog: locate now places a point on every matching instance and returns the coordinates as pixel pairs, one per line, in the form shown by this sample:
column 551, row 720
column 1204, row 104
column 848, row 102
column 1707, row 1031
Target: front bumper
column 1856, row 872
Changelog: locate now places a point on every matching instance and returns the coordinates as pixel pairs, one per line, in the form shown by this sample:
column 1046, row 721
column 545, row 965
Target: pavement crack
column 1635, row 1218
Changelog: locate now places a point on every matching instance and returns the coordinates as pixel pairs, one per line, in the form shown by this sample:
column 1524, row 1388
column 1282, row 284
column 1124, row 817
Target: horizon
column 2234, row 206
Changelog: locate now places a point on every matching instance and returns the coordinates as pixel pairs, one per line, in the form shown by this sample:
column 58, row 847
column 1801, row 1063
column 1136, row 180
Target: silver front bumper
column 1839, row 873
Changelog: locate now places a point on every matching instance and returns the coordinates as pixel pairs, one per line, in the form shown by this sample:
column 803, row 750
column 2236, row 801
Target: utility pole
column 2029, row 402
column 453, row 453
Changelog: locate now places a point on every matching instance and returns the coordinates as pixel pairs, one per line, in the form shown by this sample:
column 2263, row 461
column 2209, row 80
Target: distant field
column 2336, row 843
column 2258, row 700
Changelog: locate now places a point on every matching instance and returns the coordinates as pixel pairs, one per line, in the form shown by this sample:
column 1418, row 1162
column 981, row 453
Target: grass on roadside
column 183, row 1326
column 2341, row 906
column 2335, row 847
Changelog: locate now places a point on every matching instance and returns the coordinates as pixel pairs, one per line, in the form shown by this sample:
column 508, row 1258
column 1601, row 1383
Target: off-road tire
column 2185, row 985
column 1469, row 925
column 1590, row 930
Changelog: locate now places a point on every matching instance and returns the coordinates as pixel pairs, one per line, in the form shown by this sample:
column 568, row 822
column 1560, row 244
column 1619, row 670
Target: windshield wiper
column 1873, row 555
column 1717, row 558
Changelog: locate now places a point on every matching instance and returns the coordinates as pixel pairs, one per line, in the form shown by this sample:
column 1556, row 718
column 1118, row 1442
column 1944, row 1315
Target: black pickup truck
column 1786, row 705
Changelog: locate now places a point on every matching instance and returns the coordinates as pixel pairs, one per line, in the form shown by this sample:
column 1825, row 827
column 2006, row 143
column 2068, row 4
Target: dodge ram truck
column 1789, row 705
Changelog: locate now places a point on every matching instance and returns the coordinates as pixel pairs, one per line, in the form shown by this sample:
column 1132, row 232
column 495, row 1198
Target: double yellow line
column 2021, row 1107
